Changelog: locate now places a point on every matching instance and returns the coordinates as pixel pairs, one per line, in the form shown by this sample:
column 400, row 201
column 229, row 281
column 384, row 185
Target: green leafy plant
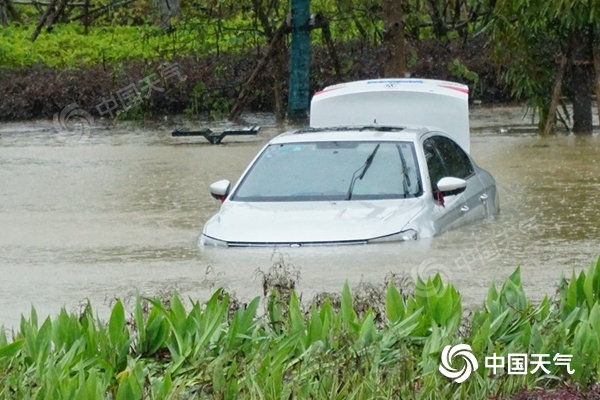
column 332, row 348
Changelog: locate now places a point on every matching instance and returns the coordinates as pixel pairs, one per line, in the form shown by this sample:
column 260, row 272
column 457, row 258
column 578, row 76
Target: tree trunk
column 551, row 117
column 581, row 81
column 42, row 20
column 326, row 34
column 242, row 97
column 582, row 101
column 86, row 17
column 279, row 61
column 597, row 75
column 437, row 18
column 11, row 10
column 167, row 9
column 3, row 14
column 393, row 39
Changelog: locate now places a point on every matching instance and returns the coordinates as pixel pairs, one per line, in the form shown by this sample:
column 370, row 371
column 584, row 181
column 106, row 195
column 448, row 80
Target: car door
column 458, row 164
column 489, row 195
column 449, row 214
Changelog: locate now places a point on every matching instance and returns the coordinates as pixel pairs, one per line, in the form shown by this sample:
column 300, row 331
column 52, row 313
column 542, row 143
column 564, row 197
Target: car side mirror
column 220, row 189
column 451, row 186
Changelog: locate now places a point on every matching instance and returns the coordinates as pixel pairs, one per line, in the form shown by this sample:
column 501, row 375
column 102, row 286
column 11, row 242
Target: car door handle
column 483, row 197
column 464, row 209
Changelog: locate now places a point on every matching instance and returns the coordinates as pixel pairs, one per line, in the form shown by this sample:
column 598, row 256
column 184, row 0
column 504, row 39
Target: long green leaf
column 394, row 305
column 10, row 350
column 347, row 309
column 116, row 323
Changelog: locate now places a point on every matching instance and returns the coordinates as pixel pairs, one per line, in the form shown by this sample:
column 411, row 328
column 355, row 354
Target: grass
column 376, row 341
column 68, row 47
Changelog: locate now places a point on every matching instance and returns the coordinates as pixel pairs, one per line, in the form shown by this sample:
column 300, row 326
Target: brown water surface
column 119, row 211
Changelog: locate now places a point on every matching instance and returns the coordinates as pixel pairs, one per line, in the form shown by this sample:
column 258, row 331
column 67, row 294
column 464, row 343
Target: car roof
column 367, row 133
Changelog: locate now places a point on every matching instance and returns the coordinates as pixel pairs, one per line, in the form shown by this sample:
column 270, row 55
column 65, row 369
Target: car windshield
column 336, row 170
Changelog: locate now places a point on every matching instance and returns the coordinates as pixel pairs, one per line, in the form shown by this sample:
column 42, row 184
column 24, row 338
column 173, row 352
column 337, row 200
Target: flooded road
column 119, row 211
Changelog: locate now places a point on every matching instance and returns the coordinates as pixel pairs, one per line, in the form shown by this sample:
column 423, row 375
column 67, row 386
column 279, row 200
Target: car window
column 434, row 163
column 337, row 170
column 456, row 162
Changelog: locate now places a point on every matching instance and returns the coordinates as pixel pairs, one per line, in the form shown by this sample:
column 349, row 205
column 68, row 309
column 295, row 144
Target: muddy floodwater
column 118, row 213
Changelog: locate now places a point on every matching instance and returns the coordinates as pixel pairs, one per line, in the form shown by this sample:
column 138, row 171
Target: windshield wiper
column 364, row 169
column 406, row 180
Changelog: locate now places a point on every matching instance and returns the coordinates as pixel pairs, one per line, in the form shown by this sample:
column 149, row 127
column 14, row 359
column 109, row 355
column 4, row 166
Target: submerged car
column 382, row 161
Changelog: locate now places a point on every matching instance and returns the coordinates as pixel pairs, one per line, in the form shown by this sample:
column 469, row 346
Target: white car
column 367, row 170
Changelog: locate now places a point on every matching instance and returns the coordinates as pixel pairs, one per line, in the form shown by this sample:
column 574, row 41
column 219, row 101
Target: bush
column 225, row 349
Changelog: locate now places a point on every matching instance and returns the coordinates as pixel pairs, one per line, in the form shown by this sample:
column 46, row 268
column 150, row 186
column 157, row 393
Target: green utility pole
column 298, row 101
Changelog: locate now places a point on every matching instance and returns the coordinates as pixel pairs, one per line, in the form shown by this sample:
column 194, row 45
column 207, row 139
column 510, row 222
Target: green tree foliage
column 216, row 26
column 528, row 37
